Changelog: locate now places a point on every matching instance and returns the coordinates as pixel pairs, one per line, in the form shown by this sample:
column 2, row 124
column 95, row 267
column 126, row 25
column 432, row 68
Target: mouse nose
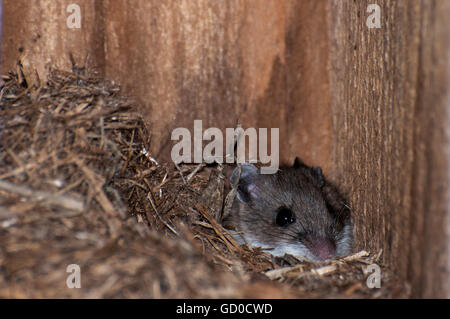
column 323, row 248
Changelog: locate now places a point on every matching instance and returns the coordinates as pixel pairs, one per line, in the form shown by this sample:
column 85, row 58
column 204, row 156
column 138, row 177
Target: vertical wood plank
column 390, row 133
column 374, row 73
column 37, row 31
column 221, row 63
column 429, row 263
column 309, row 116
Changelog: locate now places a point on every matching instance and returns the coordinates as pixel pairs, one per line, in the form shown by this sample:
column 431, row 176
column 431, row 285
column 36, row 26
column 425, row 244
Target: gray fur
column 320, row 211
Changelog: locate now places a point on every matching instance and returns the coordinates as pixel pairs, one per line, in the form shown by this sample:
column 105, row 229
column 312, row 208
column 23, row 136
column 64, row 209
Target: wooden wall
column 371, row 106
column 390, row 102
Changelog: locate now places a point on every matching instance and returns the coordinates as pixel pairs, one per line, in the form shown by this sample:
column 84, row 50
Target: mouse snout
column 322, row 248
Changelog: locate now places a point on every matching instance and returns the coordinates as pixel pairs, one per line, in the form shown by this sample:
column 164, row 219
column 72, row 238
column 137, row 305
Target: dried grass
column 78, row 186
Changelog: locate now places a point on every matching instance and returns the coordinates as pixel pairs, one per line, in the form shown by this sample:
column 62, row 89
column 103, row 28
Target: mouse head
column 294, row 211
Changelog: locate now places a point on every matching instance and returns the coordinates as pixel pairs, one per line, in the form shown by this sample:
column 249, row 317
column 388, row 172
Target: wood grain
column 371, row 106
column 40, row 36
column 389, row 89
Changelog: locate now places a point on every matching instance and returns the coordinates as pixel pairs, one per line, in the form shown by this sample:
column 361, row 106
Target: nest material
column 78, row 186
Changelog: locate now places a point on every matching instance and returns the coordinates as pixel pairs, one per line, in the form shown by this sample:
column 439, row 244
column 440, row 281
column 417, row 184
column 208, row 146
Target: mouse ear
column 248, row 171
column 317, row 171
column 246, row 184
column 298, row 163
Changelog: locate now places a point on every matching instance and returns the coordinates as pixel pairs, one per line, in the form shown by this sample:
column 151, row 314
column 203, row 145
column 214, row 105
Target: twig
column 181, row 173
column 147, row 154
column 130, row 153
column 325, row 270
column 281, row 272
column 195, row 171
column 356, row 256
column 22, row 169
column 232, row 194
column 164, row 181
column 102, row 131
column 51, row 199
column 96, row 182
column 151, row 199
column 230, row 199
column 223, row 234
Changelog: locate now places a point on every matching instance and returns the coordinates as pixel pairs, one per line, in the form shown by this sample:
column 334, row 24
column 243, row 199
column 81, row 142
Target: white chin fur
column 297, row 250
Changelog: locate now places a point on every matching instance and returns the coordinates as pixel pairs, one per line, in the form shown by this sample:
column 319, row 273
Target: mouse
column 294, row 211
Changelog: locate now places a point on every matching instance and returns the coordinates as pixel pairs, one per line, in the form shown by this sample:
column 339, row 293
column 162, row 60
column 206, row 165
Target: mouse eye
column 284, row 217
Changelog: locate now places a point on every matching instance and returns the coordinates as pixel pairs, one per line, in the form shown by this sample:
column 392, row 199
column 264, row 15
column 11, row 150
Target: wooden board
column 371, row 106
column 390, row 101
